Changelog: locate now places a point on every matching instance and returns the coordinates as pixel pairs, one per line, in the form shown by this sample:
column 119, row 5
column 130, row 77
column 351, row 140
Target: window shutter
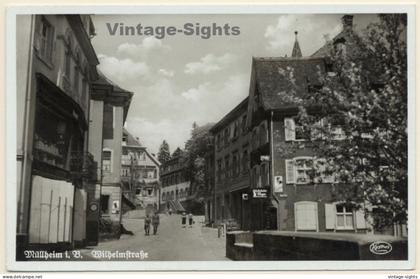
column 360, row 219
column 289, row 129
column 329, row 216
column 290, row 171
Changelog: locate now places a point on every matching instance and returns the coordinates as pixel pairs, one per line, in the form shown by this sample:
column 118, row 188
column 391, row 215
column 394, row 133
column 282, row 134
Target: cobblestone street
column 172, row 242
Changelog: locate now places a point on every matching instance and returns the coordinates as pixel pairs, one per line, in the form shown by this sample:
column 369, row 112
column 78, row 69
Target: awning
column 128, row 202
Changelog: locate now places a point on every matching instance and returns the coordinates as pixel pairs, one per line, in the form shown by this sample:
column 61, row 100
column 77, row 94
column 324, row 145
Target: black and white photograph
column 210, row 141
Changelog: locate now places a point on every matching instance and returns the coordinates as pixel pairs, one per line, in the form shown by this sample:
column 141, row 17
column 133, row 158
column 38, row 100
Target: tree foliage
column 196, row 149
column 358, row 118
column 164, row 154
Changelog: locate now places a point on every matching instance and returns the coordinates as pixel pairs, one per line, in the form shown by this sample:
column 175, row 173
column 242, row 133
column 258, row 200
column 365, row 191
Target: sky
column 178, row 80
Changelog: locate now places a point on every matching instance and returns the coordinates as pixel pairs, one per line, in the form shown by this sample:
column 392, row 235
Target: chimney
column 347, row 21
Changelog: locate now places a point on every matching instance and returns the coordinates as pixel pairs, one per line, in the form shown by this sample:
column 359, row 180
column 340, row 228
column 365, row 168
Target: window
column 219, row 170
column 218, row 141
column 245, row 161
column 76, row 73
column 46, row 40
column 344, row 216
column 142, row 156
column 67, row 60
column 107, row 161
column 105, row 204
column 303, row 168
column 265, row 174
column 337, row 133
column 163, row 196
column 227, row 167
column 124, row 141
column 226, row 136
column 254, row 139
column 263, row 133
column 256, row 176
column 149, row 192
column 235, row 165
column 244, row 127
column 301, row 132
column 236, row 129
column 108, row 122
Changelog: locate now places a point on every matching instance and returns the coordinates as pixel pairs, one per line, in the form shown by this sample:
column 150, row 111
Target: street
column 172, row 242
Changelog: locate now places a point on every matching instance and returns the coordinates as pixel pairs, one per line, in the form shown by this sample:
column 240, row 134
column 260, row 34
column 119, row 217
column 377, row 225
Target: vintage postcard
column 210, row 137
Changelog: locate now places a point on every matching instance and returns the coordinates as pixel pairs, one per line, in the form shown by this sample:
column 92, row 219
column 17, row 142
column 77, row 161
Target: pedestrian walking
column 147, row 221
column 155, row 222
column 184, row 220
column 190, row 219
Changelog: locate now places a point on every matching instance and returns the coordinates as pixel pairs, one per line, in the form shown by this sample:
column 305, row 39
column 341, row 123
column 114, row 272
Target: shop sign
column 260, row 193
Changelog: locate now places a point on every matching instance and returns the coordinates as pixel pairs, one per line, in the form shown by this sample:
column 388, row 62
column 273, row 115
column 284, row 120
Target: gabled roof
column 230, row 116
column 134, row 143
column 131, row 140
column 104, row 89
column 273, row 78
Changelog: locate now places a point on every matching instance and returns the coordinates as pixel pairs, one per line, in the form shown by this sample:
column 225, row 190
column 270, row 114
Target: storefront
column 57, row 172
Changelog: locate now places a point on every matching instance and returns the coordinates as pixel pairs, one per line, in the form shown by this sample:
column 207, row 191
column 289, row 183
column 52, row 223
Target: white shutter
column 360, row 219
column 330, row 216
column 306, row 216
column 289, row 129
column 290, row 171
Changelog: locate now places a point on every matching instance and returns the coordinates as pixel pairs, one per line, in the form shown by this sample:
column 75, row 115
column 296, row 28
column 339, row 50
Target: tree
column 196, row 149
column 164, row 154
column 360, row 115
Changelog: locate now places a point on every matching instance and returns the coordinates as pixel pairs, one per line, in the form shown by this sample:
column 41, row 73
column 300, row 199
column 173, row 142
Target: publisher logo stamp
column 380, row 247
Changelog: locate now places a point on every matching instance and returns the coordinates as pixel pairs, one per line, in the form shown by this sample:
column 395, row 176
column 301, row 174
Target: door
column 306, row 216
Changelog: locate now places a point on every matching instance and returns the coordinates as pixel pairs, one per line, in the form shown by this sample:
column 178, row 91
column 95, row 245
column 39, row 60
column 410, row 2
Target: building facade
column 140, row 173
column 55, row 66
column 231, row 168
column 176, row 188
column 295, row 200
column 109, row 108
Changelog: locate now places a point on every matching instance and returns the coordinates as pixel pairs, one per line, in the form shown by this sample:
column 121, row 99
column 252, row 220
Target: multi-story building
column 231, row 169
column 209, row 179
column 109, row 108
column 55, row 66
column 288, row 198
column 140, row 173
column 175, row 185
